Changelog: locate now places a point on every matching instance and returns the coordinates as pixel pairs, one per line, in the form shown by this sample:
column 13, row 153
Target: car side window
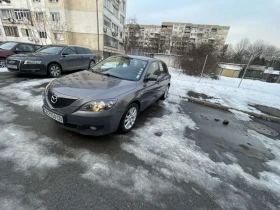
column 153, row 69
column 70, row 51
column 162, row 68
column 80, row 50
column 25, row 48
column 37, row 47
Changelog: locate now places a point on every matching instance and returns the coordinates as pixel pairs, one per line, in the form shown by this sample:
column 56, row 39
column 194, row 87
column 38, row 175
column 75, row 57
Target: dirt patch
column 267, row 110
column 199, row 95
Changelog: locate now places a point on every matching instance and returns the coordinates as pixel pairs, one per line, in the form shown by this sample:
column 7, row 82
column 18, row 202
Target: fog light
column 93, row 128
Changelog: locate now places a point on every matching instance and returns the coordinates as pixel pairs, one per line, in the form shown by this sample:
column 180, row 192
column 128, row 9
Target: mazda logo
column 54, row 99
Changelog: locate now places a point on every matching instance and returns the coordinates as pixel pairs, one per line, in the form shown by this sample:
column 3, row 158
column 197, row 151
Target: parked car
column 52, row 60
column 108, row 97
column 10, row 48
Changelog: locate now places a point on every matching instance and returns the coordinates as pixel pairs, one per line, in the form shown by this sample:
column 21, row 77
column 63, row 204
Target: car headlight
column 99, row 106
column 47, row 87
column 32, row 62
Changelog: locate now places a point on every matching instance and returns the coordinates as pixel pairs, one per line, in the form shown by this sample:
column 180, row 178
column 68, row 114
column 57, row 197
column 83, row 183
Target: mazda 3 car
column 108, row 97
column 52, row 60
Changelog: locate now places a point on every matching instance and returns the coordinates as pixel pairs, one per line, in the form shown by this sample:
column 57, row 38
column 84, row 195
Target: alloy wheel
column 2, row 63
column 55, row 71
column 91, row 65
column 130, row 118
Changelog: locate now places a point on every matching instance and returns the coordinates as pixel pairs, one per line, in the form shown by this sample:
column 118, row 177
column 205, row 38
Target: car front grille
column 13, row 62
column 60, row 102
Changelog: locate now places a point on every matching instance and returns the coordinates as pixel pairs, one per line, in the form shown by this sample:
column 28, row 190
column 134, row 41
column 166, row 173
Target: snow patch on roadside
column 7, row 113
column 25, row 148
column 21, row 93
column 240, row 115
column 4, row 70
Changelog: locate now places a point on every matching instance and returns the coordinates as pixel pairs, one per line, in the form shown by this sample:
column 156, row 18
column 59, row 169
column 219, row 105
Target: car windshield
column 8, row 45
column 121, row 67
column 51, row 49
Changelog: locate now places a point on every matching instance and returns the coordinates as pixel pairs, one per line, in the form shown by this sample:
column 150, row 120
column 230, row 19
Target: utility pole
column 97, row 30
column 246, row 70
column 203, row 68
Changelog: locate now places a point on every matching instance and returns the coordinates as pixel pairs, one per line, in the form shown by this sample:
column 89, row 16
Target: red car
column 10, row 48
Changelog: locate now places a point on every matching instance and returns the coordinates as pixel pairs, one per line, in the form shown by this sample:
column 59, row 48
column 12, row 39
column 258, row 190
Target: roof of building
column 270, row 71
column 232, row 67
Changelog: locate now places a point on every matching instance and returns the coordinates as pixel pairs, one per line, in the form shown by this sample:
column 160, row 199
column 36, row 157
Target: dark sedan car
column 10, row 48
column 108, row 97
column 52, row 60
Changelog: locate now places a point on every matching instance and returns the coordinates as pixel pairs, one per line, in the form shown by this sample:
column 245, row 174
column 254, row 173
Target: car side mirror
column 152, row 78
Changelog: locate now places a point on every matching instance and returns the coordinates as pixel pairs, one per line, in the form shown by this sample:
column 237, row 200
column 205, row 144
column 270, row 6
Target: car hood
column 32, row 55
column 91, row 86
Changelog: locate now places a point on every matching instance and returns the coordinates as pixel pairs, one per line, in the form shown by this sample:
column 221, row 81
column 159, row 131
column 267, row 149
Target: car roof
column 143, row 58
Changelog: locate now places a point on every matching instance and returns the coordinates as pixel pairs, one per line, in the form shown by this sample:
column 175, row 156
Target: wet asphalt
column 64, row 188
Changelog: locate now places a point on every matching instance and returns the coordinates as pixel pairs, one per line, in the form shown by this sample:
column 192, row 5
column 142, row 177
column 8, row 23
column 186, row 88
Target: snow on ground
column 175, row 157
column 4, row 70
column 22, row 93
column 226, row 92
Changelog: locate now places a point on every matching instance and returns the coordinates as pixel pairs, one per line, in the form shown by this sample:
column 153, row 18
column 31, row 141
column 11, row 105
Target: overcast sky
column 254, row 19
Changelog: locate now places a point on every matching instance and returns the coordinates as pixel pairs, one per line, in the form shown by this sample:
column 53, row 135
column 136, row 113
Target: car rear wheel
column 129, row 118
column 2, row 63
column 165, row 95
column 91, row 65
column 54, row 70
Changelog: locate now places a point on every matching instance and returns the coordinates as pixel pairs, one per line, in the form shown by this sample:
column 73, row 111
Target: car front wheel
column 54, row 70
column 2, row 63
column 129, row 118
column 91, row 65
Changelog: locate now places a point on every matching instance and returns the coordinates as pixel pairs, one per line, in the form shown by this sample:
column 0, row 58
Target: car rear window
column 8, row 45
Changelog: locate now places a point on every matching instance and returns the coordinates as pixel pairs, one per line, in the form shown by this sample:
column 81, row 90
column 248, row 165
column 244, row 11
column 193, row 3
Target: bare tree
column 241, row 50
column 133, row 35
column 257, row 49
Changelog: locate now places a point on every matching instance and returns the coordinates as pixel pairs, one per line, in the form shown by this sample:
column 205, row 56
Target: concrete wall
column 168, row 59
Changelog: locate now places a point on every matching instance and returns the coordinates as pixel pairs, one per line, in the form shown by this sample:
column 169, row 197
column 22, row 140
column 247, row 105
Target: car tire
column 129, row 118
column 165, row 95
column 54, row 70
column 91, row 64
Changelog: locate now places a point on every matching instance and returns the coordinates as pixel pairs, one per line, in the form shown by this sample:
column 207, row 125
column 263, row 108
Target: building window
column 43, row 34
column 21, row 14
column 36, row 0
column 123, row 3
column 26, row 32
column 6, row 14
column 115, row 28
column 116, row 11
column 39, row 16
column 122, row 19
column 111, row 42
column 107, row 22
column 54, row 1
column 55, row 16
column 11, row 31
column 108, row 4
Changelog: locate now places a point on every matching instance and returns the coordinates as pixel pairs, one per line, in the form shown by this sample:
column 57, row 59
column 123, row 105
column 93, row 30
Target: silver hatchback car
column 108, row 97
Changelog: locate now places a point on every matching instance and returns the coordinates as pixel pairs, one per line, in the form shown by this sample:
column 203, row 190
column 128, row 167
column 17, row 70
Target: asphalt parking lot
column 177, row 157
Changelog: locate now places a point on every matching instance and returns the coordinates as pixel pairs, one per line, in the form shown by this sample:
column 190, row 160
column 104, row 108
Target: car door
column 84, row 57
column 24, row 48
column 70, row 59
column 150, row 90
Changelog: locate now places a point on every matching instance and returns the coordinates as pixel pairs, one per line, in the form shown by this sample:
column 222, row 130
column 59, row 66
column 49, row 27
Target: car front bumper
column 83, row 122
column 38, row 69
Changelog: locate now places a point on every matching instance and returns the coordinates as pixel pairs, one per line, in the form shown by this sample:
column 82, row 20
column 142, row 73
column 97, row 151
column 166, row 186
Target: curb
column 226, row 108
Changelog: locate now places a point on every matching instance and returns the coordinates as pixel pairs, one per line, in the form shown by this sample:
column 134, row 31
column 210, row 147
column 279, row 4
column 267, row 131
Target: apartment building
column 172, row 35
column 65, row 22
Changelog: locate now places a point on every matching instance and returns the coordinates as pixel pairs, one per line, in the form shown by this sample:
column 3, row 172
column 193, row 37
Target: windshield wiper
column 110, row 75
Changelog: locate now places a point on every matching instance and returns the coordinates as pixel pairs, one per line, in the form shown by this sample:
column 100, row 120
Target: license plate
column 52, row 115
column 12, row 66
